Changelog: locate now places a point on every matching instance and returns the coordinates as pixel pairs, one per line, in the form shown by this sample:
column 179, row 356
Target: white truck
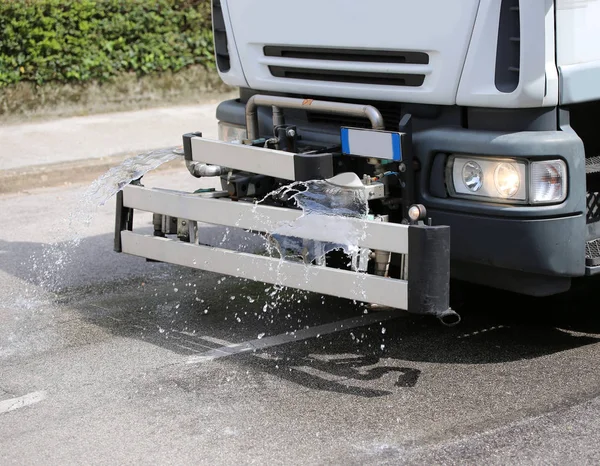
column 468, row 124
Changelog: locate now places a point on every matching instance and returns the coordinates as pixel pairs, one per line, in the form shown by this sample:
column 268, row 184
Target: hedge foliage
column 81, row 40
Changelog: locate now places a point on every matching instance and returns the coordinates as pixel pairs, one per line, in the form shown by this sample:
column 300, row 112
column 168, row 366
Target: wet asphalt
column 102, row 361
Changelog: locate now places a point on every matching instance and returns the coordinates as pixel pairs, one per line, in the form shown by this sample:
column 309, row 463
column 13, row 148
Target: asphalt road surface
column 108, row 359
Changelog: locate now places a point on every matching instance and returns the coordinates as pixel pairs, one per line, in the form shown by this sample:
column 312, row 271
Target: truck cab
column 466, row 128
column 503, row 96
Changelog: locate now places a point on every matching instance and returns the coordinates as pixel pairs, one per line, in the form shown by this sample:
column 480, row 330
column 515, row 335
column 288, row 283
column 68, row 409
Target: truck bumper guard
column 424, row 291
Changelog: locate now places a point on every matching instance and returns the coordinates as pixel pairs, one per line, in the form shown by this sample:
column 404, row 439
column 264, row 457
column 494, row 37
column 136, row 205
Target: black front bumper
column 528, row 249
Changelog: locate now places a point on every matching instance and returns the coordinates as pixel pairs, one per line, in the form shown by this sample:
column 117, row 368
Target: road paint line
column 197, row 346
column 219, row 341
column 22, row 401
column 184, row 339
column 298, row 335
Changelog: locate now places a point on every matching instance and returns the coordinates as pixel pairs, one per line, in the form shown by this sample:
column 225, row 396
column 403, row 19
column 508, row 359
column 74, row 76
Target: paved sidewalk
column 55, row 152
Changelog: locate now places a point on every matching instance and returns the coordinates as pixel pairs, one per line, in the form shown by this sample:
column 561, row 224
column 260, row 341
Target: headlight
column 507, row 180
column 231, row 133
column 496, row 179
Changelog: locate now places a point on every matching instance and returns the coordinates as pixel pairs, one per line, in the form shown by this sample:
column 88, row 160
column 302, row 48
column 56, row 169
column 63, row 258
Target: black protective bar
column 306, row 166
column 123, row 221
column 312, row 166
column 187, row 144
column 428, row 269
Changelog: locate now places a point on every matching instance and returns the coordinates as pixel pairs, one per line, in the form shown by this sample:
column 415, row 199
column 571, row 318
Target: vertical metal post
column 408, row 175
column 123, row 221
column 428, row 269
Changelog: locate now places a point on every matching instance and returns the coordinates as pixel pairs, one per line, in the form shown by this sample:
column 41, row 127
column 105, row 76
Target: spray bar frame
column 428, row 247
column 270, row 162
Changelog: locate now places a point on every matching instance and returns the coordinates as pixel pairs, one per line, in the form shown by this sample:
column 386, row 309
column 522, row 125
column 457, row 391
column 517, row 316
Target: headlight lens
column 231, row 133
column 548, row 182
column 495, row 179
column 507, row 180
column 472, row 176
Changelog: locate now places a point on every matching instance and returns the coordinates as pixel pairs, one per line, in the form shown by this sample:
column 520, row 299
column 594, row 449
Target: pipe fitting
column 199, row 169
column 449, row 318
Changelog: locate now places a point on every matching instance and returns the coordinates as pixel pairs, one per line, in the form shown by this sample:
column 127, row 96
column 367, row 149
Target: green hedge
column 82, row 40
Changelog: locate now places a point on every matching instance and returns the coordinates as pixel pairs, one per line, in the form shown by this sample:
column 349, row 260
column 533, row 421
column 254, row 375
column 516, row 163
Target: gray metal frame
column 334, row 282
column 390, row 237
column 341, row 283
column 270, row 162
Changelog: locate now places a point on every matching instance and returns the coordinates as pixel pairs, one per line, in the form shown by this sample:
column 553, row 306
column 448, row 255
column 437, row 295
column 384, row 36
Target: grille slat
column 287, row 70
column 356, row 77
column 220, row 38
column 366, row 56
column 508, row 49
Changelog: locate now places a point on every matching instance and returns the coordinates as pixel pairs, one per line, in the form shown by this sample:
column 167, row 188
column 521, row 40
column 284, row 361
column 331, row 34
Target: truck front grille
column 592, row 252
column 593, row 207
column 592, row 165
column 405, row 68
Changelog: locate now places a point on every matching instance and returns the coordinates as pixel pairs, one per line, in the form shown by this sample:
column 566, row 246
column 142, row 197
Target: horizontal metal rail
column 334, row 282
column 257, row 217
column 270, row 162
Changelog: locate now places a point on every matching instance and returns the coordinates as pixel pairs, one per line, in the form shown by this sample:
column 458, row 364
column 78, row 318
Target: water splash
column 325, row 206
column 51, row 264
column 115, row 179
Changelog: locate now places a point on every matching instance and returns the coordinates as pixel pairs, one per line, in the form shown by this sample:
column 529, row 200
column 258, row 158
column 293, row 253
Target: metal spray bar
column 426, row 291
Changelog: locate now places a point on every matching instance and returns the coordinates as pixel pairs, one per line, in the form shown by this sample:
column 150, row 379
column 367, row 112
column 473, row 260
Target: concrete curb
column 63, row 173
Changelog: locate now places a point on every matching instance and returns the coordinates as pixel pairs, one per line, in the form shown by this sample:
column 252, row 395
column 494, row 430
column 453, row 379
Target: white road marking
column 21, row 402
column 231, row 349
column 219, row 341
